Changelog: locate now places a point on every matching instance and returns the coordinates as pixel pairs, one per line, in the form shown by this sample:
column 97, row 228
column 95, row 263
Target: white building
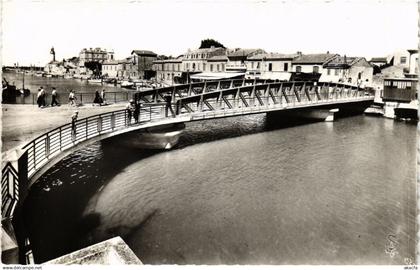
column 349, row 70
column 110, row 68
column 273, row 66
column 311, row 63
column 196, row 60
column 168, row 70
column 92, row 55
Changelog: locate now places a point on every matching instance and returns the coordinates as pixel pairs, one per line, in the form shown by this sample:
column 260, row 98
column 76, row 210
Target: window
column 336, row 72
column 270, row 67
column 223, row 67
column 286, row 66
column 328, row 71
column 217, row 67
column 258, row 65
column 204, row 66
column 298, row 69
column 211, row 67
column 315, row 69
column 403, row 60
column 193, row 66
column 252, row 65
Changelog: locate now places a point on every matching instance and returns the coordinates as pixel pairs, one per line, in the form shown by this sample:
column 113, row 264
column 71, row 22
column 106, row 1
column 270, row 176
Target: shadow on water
column 55, row 205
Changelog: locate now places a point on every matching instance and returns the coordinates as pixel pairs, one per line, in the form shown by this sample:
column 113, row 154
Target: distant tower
column 53, row 53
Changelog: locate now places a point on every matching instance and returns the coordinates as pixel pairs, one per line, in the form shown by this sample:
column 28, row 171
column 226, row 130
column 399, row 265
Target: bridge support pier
column 162, row 137
column 331, row 113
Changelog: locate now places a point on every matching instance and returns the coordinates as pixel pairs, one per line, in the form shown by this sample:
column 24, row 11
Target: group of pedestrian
column 99, row 98
column 42, row 96
column 133, row 111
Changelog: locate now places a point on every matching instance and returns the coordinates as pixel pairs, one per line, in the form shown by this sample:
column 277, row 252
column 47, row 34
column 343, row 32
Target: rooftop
column 342, row 62
column 205, row 50
column 144, row 52
column 218, row 58
column 273, row 56
column 314, row 58
column 378, row 59
column 243, row 52
column 172, row 60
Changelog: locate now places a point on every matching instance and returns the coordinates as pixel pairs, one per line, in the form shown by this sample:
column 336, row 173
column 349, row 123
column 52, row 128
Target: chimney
column 328, row 52
column 299, row 53
column 345, row 59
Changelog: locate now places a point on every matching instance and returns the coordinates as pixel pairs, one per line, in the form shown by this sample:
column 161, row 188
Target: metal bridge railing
column 46, row 146
column 9, row 190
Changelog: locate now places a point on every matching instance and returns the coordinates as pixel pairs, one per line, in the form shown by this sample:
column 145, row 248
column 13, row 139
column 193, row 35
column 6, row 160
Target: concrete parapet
column 112, row 251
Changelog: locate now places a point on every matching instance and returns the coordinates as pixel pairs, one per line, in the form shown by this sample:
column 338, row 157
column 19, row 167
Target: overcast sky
column 354, row 28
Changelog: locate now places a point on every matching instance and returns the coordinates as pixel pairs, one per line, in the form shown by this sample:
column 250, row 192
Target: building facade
column 110, row 69
column 168, row 70
column 197, row 60
column 142, row 63
column 93, row 55
column 311, row 63
column 238, row 57
column 273, row 66
column 349, row 70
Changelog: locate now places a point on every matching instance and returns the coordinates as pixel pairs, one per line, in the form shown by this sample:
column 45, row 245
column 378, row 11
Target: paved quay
column 22, row 123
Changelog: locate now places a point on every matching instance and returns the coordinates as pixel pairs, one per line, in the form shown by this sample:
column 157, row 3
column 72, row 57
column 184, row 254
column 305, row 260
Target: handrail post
column 112, row 121
column 60, row 138
column 47, row 145
column 33, row 154
column 87, row 128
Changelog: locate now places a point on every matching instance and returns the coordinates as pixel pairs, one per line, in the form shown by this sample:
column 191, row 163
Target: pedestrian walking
column 72, row 98
column 130, row 111
column 43, row 97
column 73, row 125
column 38, row 98
column 54, row 98
column 103, row 96
column 98, row 99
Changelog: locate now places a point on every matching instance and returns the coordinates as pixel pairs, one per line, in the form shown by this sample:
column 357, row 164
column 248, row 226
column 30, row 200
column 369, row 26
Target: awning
column 216, row 75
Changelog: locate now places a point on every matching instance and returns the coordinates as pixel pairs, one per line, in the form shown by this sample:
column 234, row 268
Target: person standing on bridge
column 103, row 97
column 136, row 111
column 130, row 111
column 168, row 107
column 54, row 100
column 72, row 98
column 73, row 125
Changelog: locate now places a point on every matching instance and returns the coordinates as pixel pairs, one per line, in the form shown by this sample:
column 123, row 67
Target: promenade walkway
column 23, row 123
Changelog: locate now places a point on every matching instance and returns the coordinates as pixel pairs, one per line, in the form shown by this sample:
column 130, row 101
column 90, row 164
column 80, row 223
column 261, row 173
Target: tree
column 96, row 67
column 207, row 43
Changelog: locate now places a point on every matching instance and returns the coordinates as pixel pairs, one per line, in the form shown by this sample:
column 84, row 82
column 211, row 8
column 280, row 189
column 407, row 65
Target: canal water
column 240, row 190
